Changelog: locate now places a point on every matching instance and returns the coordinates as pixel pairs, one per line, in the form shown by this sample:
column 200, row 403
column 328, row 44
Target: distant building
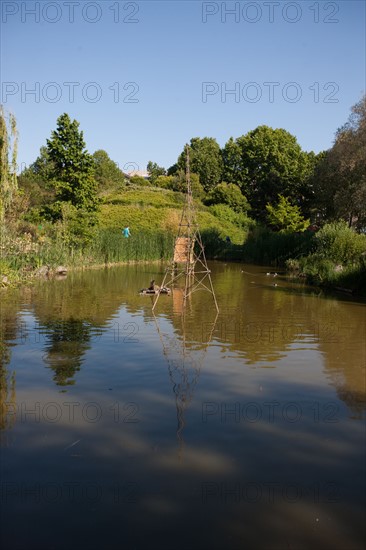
column 140, row 173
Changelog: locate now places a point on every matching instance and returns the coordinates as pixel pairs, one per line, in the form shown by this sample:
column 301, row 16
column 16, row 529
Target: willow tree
column 8, row 160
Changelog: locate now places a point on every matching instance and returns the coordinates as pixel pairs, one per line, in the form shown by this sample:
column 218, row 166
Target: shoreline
column 28, row 278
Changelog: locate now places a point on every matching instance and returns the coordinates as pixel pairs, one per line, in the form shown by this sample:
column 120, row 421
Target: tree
column 340, row 177
column 155, row 171
column 42, row 168
column 37, row 180
column 229, row 194
column 8, row 161
column 172, row 170
column 178, row 183
column 233, row 169
column 205, row 160
column 285, row 217
column 73, row 166
column 308, row 205
column 106, row 171
column 272, row 163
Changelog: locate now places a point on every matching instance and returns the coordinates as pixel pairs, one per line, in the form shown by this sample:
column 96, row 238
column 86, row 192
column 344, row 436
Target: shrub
column 318, row 270
column 225, row 213
column 264, row 246
column 140, row 181
column 285, row 217
column 230, row 195
column 340, row 243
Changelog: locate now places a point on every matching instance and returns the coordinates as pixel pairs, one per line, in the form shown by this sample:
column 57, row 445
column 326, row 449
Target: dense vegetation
column 260, row 198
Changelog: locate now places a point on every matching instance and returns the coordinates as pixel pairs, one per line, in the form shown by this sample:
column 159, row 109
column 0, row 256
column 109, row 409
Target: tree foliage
column 229, row 194
column 178, row 183
column 271, row 162
column 340, row 178
column 36, row 181
column 140, row 181
column 154, row 171
column 285, row 217
column 165, row 182
column 8, row 160
column 73, row 165
column 205, row 160
column 106, row 172
column 233, row 169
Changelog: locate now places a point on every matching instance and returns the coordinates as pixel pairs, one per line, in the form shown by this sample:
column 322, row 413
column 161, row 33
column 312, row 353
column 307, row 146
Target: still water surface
column 124, row 430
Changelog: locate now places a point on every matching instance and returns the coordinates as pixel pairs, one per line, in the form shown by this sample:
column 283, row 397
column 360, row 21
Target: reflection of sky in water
column 268, row 418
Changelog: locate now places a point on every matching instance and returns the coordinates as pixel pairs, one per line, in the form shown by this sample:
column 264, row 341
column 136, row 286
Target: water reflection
column 9, row 327
column 185, row 353
column 259, row 324
column 134, row 389
column 66, row 343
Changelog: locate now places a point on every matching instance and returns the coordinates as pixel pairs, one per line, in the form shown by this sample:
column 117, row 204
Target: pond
column 121, row 428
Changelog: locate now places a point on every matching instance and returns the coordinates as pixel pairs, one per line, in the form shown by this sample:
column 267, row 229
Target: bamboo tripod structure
column 189, row 260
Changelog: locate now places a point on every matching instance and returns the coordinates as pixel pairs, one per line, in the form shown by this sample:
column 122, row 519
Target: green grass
column 147, row 196
column 154, row 209
column 110, row 246
column 153, row 216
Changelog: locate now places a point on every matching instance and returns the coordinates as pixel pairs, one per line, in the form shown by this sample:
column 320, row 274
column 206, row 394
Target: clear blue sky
column 169, row 49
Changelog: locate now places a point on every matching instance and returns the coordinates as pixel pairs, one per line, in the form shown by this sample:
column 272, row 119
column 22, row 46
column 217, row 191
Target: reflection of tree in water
column 66, row 343
column 7, row 396
column 355, row 400
column 8, row 331
column 345, row 356
column 69, row 314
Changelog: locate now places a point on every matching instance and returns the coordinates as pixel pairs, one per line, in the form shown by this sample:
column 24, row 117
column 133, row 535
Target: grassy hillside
column 151, row 209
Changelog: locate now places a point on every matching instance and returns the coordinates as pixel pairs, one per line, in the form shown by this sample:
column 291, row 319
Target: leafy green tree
column 229, row 194
column 172, row 170
column 340, row 178
column 42, row 168
column 179, row 183
column 106, row 171
column 273, row 163
column 8, row 161
column 307, row 195
column 233, row 169
column 285, row 217
column 37, row 180
column 155, row 171
column 205, row 160
column 73, row 166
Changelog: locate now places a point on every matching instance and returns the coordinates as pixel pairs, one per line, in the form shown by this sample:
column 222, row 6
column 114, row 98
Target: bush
column 230, row 195
column 140, row 181
column 165, row 182
column 318, row 270
column 225, row 213
column 268, row 247
column 340, row 243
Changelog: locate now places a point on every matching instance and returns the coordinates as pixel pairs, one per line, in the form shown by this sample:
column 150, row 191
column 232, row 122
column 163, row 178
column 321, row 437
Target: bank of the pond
column 25, row 260
column 333, row 258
